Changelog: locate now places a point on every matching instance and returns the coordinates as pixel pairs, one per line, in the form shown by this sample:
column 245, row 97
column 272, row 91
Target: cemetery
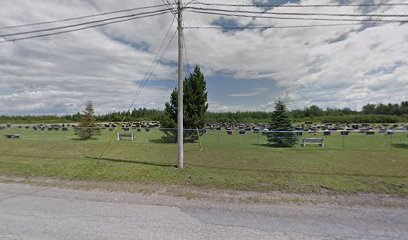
column 341, row 157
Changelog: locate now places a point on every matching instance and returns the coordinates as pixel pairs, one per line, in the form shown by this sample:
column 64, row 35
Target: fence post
column 390, row 142
column 258, row 137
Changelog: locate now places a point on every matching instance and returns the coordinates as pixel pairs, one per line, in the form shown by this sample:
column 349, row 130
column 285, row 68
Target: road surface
column 39, row 213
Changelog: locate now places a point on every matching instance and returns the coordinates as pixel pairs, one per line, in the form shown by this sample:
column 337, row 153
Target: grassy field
column 350, row 164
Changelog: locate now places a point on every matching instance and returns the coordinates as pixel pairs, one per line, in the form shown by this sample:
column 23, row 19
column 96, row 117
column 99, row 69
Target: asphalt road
column 50, row 213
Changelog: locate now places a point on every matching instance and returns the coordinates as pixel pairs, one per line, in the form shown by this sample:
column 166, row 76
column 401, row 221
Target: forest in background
column 370, row 113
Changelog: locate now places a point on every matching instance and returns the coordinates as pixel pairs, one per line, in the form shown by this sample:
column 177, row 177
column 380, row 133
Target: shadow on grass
column 287, row 172
column 134, row 162
column 401, row 145
column 83, row 140
column 272, row 146
column 161, row 141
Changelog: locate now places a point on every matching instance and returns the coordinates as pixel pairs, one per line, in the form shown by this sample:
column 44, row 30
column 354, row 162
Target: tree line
column 370, row 113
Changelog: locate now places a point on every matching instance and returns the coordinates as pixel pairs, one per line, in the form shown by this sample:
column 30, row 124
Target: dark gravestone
column 344, row 133
column 242, row 131
column 327, row 133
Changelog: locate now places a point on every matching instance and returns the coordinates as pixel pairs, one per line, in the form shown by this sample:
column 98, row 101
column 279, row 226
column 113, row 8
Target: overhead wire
column 156, row 60
column 301, row 13
column 81, row 28
column 186, row 53
column 82, row 17
column 169, row 5
column 227, row 14
column 301, row 5
column 145, row 79
column 81, row 24
column 272, row 27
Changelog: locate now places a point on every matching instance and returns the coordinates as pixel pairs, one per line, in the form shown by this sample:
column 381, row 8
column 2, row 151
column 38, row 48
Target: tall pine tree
column 88, row 126
column 195, row 108
column 281, row 127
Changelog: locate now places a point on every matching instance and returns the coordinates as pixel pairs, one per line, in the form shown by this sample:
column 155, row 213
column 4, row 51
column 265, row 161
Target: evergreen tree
column 281, row 122
column 88, row 126
column 195, row 108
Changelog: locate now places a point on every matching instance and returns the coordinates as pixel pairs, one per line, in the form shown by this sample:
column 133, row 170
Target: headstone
column 370, row 132
column 344, row 133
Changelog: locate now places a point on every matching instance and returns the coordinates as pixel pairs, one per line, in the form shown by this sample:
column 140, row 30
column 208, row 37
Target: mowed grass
column 351, row 164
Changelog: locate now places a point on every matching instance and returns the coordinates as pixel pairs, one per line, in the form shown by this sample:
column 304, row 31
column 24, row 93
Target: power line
column 84, row 23
column 169, row 5
column 146, row 77
column 301, row 5
column 185, row 51
column 82, row 17
column 275, row 27
column 221, row 13
column 301, row 13
column 156, row 61
column 79, row 29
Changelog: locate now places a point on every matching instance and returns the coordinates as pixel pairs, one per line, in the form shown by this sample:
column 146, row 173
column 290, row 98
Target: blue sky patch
column 7, row 91
column 227, row 25
column 274, row 2
column 385, row 69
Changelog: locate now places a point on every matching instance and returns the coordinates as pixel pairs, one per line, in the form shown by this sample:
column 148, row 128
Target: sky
column 245, row 69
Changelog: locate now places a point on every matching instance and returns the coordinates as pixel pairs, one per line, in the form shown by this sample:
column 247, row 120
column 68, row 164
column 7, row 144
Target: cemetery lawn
column 353, row 164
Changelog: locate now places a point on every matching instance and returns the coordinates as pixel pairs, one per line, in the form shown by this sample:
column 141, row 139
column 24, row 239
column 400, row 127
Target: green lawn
column 350, row 164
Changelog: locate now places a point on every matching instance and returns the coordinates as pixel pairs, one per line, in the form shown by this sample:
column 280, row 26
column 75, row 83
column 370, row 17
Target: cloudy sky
column 246, row 69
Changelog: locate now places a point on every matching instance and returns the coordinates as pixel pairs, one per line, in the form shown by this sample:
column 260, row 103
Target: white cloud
column 59, row 74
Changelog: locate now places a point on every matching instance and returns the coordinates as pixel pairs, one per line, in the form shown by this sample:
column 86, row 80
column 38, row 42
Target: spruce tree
column 88, row 126
column 281, row 127
column 195, row 108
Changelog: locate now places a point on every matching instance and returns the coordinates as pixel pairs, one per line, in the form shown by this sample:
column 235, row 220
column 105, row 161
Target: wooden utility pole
column 180, row 129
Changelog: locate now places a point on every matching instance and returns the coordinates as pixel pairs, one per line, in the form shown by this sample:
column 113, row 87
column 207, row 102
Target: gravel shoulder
column 181, row 196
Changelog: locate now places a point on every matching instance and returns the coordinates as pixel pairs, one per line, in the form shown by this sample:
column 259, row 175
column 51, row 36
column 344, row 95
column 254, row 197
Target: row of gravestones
column 128, row 129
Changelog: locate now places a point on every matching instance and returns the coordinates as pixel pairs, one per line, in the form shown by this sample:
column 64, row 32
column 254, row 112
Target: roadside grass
column 351, row 164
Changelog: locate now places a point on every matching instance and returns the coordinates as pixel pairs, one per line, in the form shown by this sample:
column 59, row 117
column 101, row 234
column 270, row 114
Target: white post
column 180, row 107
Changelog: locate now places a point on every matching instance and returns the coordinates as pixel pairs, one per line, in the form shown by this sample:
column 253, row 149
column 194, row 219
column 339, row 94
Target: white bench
column 12, row 136
column 120, row 136
column 316, row 141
